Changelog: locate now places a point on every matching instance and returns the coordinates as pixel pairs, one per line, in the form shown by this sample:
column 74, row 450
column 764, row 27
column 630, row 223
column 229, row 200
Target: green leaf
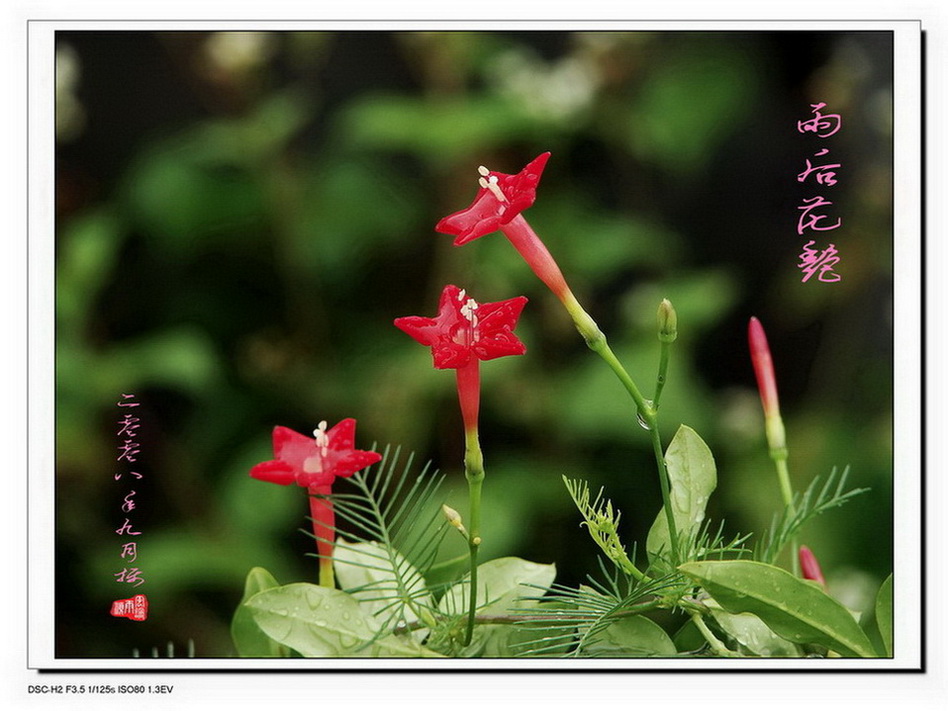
column 692, row 476
column 635, row 636
column 750, row 632
column 602, row 522
column 688, row 638
column 394, row 506
column 884, row 614
column 249, row 639
column 387, row 586
column 500, row 584
column 791, row 607
column 323, row 622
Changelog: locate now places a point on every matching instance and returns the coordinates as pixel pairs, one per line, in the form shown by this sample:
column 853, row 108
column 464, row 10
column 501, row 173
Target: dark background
column 240, row 216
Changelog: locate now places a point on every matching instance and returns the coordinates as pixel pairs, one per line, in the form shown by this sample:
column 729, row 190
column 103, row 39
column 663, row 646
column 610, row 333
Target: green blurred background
column 240, row 216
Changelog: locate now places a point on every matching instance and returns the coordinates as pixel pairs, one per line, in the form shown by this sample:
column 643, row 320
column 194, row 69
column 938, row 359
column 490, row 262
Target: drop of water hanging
column 641, row 420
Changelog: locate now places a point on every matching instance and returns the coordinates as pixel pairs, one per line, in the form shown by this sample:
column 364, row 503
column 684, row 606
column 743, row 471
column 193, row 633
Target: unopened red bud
column 810, row 567
column 766, row 384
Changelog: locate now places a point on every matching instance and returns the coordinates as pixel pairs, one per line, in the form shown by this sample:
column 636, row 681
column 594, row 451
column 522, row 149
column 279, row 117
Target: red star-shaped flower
column 314, row 462
column 501, row 198
column 464, row 329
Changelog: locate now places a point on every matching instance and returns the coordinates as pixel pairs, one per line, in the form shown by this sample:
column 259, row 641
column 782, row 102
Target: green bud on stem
column 667, row 322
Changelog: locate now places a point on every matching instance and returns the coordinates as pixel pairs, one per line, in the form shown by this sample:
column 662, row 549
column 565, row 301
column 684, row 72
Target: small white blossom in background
column 239, row 52
column 558, row 91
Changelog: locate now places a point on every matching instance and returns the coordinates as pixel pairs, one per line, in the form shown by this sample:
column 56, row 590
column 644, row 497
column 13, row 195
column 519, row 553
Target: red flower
column 464, row 333
column 465, row 330
column 501, row 198
column 497, row 206
column 315, row 463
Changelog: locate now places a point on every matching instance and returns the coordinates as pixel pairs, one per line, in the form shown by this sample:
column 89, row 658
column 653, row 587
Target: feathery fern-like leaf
column 390, row 527
column 804, row 507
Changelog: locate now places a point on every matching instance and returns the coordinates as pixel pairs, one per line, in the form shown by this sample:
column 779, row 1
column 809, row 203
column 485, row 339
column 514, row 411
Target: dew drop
column 642, row 423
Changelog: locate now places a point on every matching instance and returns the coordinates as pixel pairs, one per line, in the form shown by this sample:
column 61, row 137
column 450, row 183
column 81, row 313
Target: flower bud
column 453, row 517
column 667, row 322
column 810, row 567
column 767, row 384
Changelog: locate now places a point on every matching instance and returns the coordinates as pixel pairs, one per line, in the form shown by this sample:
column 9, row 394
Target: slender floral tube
column 324, row 522
column 536, row 255
column 469, row 393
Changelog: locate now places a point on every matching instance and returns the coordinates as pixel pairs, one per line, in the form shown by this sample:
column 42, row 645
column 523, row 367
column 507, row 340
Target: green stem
column 474, row 472
column 629, row 567
column 662, row 370
column 666, row 494
column 783, row 476
column 717, row 645
column 514, row 619
column 596, row 340
column 647, row 415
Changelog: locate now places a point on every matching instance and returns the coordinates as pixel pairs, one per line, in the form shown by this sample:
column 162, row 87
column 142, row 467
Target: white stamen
column 469, row 311
column 491, row 184
column 462, row 295
column 322, row 439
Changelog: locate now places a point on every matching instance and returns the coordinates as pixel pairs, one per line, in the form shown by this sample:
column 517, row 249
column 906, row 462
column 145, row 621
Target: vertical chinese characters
column 136, row 607
column 812, row 214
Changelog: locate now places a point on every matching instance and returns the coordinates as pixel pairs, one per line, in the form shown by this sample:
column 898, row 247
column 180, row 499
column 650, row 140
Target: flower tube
column 314, row 463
